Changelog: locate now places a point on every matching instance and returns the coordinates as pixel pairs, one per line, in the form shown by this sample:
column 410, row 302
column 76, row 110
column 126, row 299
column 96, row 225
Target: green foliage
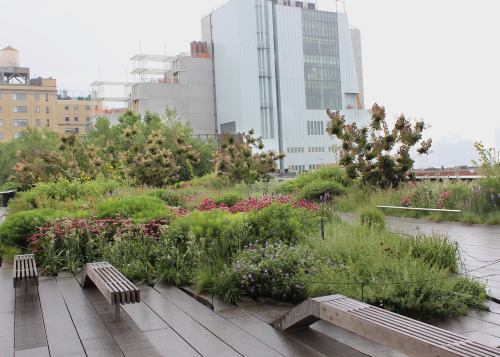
column 334, row 173
column 30, row 142
column 64, row 194
column 372, row 217
column 272, row 269
column 8, row 252
column 281, row 223
column 236, row 160
column 368, row 155
column 138, row 208
column 413, row 277
column 323, row 189
column 18, row 227
column 230, row 198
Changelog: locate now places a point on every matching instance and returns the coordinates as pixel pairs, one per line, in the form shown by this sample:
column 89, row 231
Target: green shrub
column 281, row 223
column 372, row 217
column 272, row 269
column 331, row 174
column 171, row 197
column 317, row 190
column 8, row 252
column 138, row 208
column 208, row 235
column 230, row 198
column 21, row 225
column 414, row 277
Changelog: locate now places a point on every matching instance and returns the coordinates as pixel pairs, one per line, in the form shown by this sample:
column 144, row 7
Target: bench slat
column 24, row 271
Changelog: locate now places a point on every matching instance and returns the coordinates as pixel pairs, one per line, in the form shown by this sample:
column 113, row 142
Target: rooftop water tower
column 9, row 57
column 10, row 70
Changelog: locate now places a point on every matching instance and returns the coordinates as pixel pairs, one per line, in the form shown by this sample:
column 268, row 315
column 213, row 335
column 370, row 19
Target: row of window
column 24, row 97
column 21, row 123
column 24, row 109
column 66, row 117
column 298, row 168
column 294, row 150
column 75, row 107
column 298, row 150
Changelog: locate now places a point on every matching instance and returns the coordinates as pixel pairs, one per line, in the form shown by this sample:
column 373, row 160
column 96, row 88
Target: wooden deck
column 62, row 319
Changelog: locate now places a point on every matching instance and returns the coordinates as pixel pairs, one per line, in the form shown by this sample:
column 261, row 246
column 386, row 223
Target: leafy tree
column 379, row 157
column 30, row 142
column 238, row 163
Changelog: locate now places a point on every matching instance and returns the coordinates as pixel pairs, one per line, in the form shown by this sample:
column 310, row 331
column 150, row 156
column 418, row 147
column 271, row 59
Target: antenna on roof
column 342, row 5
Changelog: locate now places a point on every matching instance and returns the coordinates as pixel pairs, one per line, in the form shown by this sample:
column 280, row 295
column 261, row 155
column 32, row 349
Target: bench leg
column 117, row 312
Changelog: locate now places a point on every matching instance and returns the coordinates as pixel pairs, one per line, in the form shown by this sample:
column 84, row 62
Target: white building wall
column 348, row 76
column 234, row 39
column 236, row 68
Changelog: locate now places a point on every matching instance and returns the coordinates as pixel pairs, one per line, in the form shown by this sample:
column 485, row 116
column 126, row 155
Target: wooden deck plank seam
column 174, row 330
column 70, row 316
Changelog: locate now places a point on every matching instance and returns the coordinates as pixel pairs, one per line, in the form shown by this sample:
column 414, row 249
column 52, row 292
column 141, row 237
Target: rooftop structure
column 36, row 102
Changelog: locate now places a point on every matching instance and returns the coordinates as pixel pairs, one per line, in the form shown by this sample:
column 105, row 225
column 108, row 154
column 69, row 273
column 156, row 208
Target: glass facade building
column 277, row 67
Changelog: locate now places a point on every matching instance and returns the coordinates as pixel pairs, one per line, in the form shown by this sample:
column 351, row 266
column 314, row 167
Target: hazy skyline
column 435, row 60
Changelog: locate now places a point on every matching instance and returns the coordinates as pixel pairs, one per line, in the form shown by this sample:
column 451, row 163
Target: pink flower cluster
column 256, row 204
column 443, row 199
column 97, row 229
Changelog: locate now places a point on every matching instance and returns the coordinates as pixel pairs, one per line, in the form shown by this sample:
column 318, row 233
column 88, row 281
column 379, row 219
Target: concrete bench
column 6, row 196
column 115, row 288
column 426, row 209
column 401, row 333
column 25, row 273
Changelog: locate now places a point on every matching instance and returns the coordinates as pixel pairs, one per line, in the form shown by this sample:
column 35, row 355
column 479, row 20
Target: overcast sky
column 438, row 60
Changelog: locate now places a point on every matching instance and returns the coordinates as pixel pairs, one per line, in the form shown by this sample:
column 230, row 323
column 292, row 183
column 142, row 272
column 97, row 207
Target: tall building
column 278, row 65
column 36, row 102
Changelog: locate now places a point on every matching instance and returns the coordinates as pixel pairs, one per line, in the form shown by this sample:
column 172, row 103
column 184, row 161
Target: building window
column 37, row 97
column 87, row 118
column 66, row 107
column 17, row 135
column 73, row 130
column 75, row 107
column 20, row 123
column 320, row 42
column 299, row 4
column 0, row 96
column 48, row 122
column 47, row 110
column 1, row 123
column 38, row 123
column 87, row 107
column 0, row 108
column 37, row 109
column 46, row 97
column 66, row 118
column 315, row 128
column 19, row 109
column 76, row 117
column 311, row 6
column 19, row 96
column 1, row 135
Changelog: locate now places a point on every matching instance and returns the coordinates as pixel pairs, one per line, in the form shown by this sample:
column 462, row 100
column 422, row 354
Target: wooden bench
column 25, row 273
column 401, row 333
column 116, row 288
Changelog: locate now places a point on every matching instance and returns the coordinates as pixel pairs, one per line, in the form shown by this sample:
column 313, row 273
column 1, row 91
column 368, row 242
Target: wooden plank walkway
column 62, row 319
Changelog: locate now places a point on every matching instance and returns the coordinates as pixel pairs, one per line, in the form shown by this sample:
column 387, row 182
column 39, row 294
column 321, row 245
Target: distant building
column 36, row 102
column 278, row 65
column 183, row 82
